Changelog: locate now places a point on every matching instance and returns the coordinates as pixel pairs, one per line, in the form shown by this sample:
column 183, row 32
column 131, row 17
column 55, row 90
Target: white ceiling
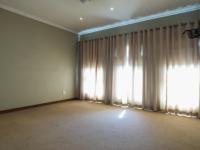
column 66, row 13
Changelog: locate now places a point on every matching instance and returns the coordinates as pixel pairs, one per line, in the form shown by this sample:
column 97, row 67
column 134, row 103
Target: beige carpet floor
column 77, row 125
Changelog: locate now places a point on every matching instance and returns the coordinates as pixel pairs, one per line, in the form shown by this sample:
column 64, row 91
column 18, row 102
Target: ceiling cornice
column 19, row 12
column 167, row 13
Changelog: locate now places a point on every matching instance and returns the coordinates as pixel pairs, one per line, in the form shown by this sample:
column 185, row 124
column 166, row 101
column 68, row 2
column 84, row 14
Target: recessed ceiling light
column 112, row 8
column 81, row 18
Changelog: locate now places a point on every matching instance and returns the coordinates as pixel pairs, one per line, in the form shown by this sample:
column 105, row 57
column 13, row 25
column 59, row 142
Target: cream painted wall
column 37, row 62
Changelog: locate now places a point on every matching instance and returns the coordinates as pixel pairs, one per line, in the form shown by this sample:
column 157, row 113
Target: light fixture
column 112, row 8
column 81, row 18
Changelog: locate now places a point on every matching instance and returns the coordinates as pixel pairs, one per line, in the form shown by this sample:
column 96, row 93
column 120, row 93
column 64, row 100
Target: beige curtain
column 156, row 69
column 119, row 63
column 171, row 70
column 96, row 65
column 128, row 73
column 110, row 47
column 182, row 71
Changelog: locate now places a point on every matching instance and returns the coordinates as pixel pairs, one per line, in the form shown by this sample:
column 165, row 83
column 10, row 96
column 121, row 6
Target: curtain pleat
column 157, row 69
column 110, row 46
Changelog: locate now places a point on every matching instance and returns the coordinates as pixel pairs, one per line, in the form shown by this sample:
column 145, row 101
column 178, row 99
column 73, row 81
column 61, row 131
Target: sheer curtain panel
column 156, row 69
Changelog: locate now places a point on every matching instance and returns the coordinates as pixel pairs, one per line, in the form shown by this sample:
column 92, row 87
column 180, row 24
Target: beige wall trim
column 37, row 105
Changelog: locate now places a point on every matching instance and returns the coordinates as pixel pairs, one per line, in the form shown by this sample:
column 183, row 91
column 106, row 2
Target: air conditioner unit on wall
column 193, row 33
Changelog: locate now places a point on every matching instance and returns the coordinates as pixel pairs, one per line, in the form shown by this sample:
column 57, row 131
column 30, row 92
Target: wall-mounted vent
column 83, row 1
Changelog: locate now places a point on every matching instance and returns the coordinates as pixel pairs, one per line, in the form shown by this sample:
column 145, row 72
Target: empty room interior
column 99, row 75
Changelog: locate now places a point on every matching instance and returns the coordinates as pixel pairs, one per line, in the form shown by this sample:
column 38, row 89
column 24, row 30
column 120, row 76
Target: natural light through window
column 93, row 85
column 137, row 85
column 99, row 84
column 89, row 82
column 124, row 83
column 183, row 88
column 124, row 80
column 129, row 82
